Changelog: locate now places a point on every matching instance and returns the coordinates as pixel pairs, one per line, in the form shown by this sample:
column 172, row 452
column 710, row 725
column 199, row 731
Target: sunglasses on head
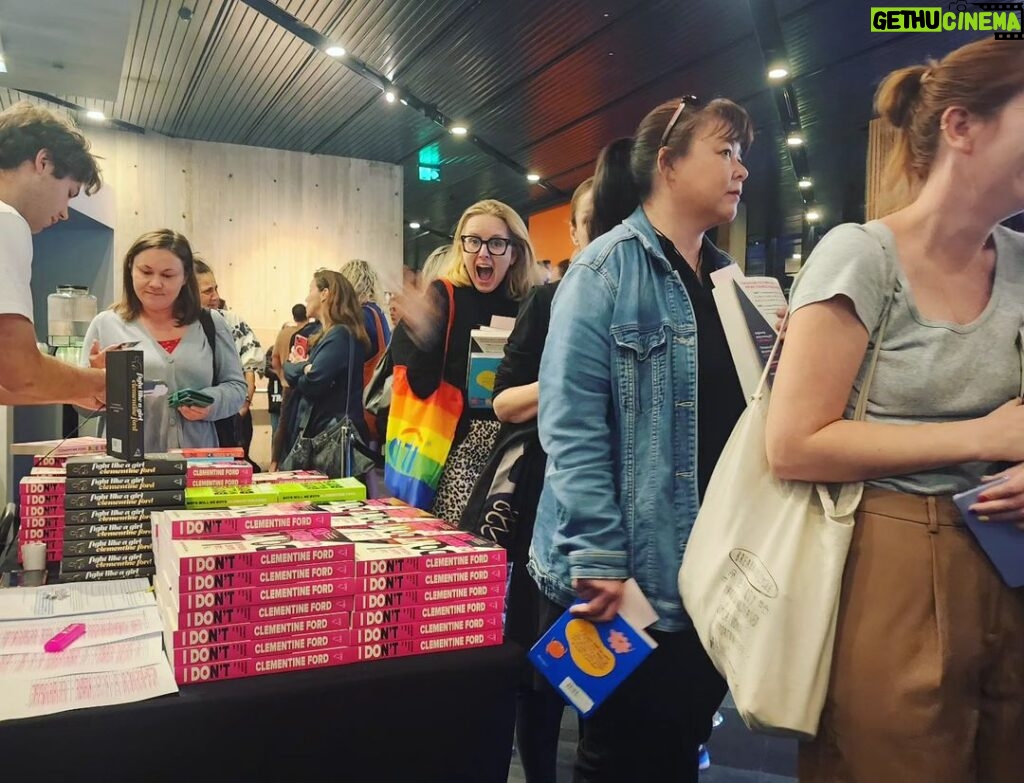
column 686, row 100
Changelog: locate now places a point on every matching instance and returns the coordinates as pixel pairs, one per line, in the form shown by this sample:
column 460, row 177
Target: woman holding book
column 638, row 395
column 490, row 269
column 328, row 379
column 160, row 314
column 928, row 670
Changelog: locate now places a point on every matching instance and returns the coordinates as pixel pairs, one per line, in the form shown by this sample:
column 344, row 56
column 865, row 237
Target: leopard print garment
column 462, row 468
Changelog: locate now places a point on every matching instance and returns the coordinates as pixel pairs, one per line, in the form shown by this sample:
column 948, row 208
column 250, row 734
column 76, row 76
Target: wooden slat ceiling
column 546, row 82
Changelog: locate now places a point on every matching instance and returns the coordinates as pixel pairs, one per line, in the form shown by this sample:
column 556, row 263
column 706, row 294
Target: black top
column 720, row 398
column 473, row 309
column 521, row 363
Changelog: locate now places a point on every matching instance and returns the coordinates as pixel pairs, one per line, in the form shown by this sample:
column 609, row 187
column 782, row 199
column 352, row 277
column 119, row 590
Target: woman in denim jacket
column 638, row 394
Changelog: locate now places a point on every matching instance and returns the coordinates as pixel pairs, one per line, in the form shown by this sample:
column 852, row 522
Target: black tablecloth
column 442, row 718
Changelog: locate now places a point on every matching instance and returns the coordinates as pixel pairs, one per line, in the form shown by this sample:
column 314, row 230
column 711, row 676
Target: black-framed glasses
column 496, row 246
column 686, row 100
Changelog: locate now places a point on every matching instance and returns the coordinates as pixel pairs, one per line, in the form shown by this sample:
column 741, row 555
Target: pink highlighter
column 65, row 638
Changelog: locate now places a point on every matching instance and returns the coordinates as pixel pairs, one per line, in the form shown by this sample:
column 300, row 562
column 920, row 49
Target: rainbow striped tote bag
column 420, row 432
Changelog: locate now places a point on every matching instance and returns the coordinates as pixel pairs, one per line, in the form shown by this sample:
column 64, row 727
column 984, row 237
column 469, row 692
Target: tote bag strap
column 862, row 397
column 451, row 320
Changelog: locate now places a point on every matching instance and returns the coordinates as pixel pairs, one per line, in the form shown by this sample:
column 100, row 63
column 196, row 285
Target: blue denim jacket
column 618, row 420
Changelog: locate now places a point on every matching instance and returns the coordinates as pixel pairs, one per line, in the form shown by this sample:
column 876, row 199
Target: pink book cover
column 429, row 595
column 253, row 667
column 305, row 617
column 37, row 536
column 455, row 625
column 211, row 653
column 295, row 547
column 429, row 644
column 418, row 579
column 46, row 508
column 228, row 481
column 206, row 637
column 257, row 613
column 292, row 577
column 261, row 648
column 236, row 469
column 47, row 533
column 49, row 462
column 236, row 522
column 215, row 599
column 362, row 618
column 51, row 522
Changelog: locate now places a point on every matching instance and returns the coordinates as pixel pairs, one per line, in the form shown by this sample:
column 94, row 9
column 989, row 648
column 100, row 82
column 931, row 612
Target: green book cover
column 223, row 497
column 322, row 491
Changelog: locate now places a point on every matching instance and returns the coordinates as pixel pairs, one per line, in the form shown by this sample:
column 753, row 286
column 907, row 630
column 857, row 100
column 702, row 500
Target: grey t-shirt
column 928, row 371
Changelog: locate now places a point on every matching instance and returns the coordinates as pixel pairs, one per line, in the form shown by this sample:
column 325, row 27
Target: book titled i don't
column 125, row 438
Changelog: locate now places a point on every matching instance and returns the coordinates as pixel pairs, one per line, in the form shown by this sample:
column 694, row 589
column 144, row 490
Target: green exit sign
column 429, row 160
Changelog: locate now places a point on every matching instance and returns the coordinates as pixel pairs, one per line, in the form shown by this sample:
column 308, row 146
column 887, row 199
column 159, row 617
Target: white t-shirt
column 15, row 263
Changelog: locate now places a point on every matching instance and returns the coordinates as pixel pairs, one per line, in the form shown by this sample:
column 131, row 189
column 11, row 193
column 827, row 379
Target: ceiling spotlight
column 3, row 67
column 403, row 101
column 796, row 256
column 414, row 225
column 812, row 215
column 335, row 51
column 778, row 72
column 93, row 114
column 533, row 177
column 389, row 96
column 804, row 182
column 458, row 130
column 794, row 140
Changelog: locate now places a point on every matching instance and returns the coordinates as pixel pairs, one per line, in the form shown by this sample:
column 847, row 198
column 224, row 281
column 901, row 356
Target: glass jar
column 69, row 311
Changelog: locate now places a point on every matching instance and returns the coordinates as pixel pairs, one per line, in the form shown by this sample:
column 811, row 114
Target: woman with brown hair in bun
column 927, row 679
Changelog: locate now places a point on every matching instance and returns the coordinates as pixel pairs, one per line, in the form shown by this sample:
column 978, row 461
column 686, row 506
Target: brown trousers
column 928, row 673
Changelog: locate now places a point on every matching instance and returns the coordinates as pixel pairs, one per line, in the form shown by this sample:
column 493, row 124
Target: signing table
column 441, row 718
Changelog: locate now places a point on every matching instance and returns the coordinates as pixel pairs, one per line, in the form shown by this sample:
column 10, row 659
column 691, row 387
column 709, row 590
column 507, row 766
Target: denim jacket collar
column 640, row 226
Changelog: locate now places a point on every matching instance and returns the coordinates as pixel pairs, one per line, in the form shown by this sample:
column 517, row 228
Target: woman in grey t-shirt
column 927, row 678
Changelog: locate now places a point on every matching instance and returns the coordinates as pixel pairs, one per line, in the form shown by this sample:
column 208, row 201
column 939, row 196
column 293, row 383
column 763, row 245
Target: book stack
column 108, row 510
column 41, row 511
column 246, row 592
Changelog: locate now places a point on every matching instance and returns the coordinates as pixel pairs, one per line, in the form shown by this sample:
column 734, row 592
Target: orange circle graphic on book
column 586, row 649
column 555, row 649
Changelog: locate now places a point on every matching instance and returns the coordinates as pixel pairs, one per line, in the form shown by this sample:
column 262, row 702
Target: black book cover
column 124, row 405
column 104, row 465
column 108, row 530
column 102, row 516
column 142, row 499
column 124, row 483
column 110, row 573
column 107, row 562
column 107, row 546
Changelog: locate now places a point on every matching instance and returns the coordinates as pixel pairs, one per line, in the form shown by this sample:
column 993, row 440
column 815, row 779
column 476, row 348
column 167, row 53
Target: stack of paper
column 118, row 660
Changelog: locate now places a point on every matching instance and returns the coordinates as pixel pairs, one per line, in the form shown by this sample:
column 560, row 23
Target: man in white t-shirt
column 44, row 163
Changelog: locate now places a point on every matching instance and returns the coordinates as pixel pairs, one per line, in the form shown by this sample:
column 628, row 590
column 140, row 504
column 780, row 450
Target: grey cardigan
column 189, row 367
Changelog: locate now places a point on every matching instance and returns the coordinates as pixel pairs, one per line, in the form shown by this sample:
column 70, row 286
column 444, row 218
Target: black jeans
column 650, row 728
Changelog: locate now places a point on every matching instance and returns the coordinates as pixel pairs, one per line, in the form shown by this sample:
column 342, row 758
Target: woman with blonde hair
column 159, row 314
column 328, row 383
column 927, row 680
column 365, row 284
column 490, row 269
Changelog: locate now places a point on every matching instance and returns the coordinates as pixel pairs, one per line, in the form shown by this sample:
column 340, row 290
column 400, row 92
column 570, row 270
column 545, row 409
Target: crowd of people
column 618, row 387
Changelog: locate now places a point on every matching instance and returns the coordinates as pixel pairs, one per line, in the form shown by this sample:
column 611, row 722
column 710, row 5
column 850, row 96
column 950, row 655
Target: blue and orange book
column 585, row 661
